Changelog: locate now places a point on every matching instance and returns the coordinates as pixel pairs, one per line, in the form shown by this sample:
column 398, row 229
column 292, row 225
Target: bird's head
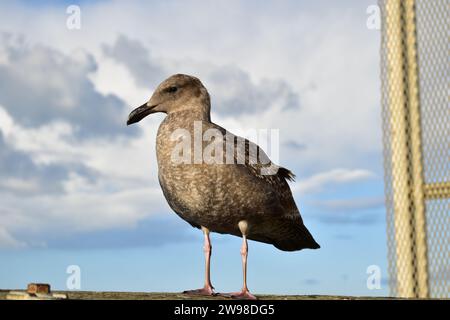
column 177, row 93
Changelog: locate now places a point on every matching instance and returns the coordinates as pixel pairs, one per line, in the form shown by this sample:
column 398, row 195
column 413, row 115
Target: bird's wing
column 256, row 161
column 287, row 232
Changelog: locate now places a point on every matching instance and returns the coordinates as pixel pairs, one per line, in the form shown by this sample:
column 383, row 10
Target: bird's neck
column 191, row 114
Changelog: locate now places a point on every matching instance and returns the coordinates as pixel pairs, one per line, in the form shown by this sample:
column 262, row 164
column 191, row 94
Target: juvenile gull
column 248, row 197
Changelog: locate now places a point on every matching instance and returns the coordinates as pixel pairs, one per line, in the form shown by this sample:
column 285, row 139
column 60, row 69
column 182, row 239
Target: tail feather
column 298, row 239
column 287, row 235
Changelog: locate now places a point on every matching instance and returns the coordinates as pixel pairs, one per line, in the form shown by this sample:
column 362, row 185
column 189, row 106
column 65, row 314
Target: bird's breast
column 188, row 187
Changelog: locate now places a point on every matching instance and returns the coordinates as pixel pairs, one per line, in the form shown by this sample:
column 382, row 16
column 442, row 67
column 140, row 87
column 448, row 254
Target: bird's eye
column 172, row 89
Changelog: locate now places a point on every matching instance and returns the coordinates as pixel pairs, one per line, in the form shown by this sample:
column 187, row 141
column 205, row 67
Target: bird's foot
column 205, row 291
column 244, row 294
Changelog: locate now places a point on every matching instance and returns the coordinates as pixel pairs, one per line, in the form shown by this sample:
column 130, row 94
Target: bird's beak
column 140, row 113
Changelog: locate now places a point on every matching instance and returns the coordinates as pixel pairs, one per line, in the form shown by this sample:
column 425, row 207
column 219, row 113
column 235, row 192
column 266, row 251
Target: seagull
column 217, row 181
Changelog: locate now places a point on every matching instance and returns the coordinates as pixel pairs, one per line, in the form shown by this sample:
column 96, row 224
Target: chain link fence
column 415, row 68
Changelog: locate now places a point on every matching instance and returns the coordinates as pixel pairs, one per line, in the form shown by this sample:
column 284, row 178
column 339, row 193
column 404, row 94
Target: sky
column 78, row 187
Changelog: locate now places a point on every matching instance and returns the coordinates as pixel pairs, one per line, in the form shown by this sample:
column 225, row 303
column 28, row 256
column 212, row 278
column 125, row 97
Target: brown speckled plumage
column 218, row 196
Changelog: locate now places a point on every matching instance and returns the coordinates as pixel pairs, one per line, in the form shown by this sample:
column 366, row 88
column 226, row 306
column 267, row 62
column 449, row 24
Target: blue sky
column 77, row 187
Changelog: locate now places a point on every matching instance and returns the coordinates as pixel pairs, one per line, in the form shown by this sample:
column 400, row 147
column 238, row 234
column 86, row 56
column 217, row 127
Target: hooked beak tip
column 139, row 113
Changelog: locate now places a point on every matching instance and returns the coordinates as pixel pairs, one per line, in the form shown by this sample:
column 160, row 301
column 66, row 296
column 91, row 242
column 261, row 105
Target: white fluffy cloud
column 119, row 191
column 346, row 205
column 7, row 241
column 320, row 181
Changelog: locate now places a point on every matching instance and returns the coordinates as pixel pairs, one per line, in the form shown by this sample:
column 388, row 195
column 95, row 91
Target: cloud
column 294, row 145
column 350, row 211
column 43, row 219
column 20, row 175
column 149, row 232
column 61, row 173
column 41, row 85
column 147, row 71
column 62, row 145
column 232, row 89
column 52, row 186
column 235, row 92
column 319, row 181
column 357, row 204
column 363, row 218
column 8, row 241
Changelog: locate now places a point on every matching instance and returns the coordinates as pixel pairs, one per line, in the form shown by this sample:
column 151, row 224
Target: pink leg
column 208, row 289
column 244, row 293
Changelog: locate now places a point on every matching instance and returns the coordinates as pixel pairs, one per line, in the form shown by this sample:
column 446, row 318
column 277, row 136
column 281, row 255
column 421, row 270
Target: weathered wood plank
column 94, row 295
